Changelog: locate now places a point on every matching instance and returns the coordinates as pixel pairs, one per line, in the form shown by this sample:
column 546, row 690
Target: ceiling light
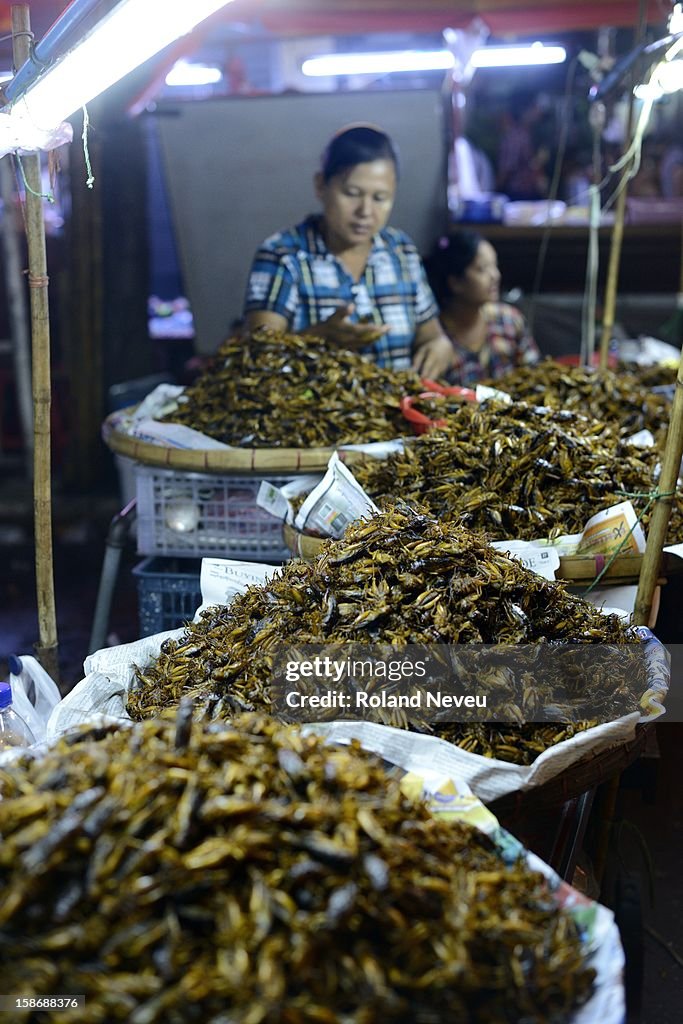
column 377, row 63
column 186, row 73
column 336, row 64
column 517, row 56
column 129, row 35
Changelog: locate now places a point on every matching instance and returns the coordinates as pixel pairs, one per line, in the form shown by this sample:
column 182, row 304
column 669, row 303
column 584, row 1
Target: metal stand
column 570, row 834
column 117, row 536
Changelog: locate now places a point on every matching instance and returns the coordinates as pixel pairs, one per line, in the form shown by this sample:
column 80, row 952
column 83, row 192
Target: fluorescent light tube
column 129, row 35
column 186, row 73
column 336, row 64
column 377, row 63
column 517, row 56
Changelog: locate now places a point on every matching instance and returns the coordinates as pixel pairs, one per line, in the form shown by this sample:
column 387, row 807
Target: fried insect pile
column 622, row 399
column 282, row 390
column 177, row 873
column 517, row 471
column 401, row 578
column 659, row 375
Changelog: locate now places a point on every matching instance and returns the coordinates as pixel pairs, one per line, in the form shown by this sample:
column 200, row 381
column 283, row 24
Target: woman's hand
column 339, row 331
column 434, row 357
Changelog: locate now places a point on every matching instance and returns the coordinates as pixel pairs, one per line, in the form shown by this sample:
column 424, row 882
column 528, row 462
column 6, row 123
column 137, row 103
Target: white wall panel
column 239, row 169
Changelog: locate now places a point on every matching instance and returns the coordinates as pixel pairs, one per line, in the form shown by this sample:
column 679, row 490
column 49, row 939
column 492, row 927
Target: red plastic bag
column 418, row 420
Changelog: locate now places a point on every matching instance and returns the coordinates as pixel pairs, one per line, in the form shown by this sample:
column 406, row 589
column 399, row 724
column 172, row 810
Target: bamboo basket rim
column 210, row 460
column 572, row 567
column 591, row 771
column 577, row 778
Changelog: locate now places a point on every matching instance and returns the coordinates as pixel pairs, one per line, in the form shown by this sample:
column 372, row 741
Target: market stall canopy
column 301, row 18
column 304, row 17
column 43, row 13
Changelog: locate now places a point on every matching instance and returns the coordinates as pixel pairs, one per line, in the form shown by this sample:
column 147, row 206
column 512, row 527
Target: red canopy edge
column 352, row 17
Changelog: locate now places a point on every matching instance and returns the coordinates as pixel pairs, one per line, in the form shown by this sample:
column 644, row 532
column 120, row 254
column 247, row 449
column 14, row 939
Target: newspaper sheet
column 278, row 500
column 337, row 501
column 377, row 449
column 449, row 797
column 174, row 435
column 145, row 423
column 222, row 579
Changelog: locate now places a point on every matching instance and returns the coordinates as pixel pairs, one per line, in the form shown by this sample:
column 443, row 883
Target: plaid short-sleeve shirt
column 295, row 275
column 508, row 345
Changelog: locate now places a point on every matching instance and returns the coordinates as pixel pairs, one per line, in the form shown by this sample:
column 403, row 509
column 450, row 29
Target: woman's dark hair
column 358, row 144
column 451, row 257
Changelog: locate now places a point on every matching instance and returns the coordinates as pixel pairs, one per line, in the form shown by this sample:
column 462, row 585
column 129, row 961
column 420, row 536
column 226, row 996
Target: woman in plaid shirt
column 489, row 337
column 343, row 275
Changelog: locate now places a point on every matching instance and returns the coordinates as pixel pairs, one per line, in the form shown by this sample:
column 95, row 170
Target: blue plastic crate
column 168, row 592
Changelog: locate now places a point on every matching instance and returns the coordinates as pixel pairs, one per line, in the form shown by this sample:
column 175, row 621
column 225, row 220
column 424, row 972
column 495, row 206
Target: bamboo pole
column 609, row 308
column 659, row 522
column 47, row 647
column 610, row 304
column 18, row 311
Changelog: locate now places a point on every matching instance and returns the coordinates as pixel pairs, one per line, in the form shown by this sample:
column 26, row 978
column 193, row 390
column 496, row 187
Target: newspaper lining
column 337, row 501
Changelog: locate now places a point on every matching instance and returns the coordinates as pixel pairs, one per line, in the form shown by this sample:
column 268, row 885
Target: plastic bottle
column 13, row 729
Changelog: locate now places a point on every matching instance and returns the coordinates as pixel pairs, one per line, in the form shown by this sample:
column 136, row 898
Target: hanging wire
column 40, row 195
column 602, row 184
column 14, row 35
column 628, row 164
column 630, row 161
column 652, row 497
column 90, row 180
column 632, row 154
column 590, row 295
column 554, row 186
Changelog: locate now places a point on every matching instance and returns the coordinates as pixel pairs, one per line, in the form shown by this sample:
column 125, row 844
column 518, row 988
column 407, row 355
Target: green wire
column 40, row 195
column 652, row 496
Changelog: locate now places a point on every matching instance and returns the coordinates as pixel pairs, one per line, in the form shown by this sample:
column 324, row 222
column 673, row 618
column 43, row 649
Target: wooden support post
column 46, row 648
column 18, row 310
column 609, row 307
column 659, row 522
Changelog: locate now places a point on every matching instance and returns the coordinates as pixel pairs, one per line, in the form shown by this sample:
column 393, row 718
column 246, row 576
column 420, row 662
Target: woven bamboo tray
column 536, row 816
column 533, row 814
column 623, row 569
column 231, row 460
column 578, row 778
column 300, row 544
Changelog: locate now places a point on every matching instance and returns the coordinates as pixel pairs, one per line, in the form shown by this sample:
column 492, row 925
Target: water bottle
column 14, row 731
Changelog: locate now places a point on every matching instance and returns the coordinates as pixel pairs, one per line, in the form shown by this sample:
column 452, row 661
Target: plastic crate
column 205, row 514
column 168, row 593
